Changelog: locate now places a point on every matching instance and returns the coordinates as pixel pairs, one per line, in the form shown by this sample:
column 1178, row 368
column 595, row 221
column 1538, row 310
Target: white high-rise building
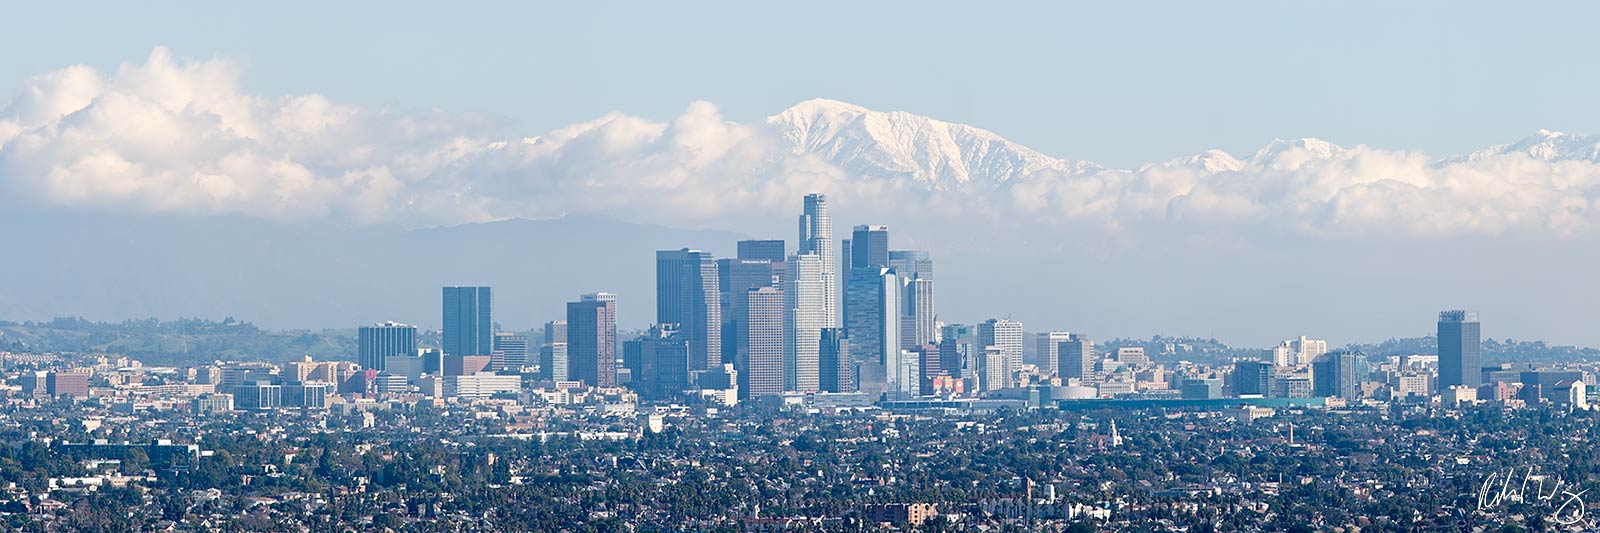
column 1007, row 335
column 1296, row 352
column 816, row 237
column 805, row 304
column 995, row 375
column 917, row 317
column 1049, row 351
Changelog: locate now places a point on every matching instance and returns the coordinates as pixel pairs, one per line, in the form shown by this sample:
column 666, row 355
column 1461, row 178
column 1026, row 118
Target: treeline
column 174, row 342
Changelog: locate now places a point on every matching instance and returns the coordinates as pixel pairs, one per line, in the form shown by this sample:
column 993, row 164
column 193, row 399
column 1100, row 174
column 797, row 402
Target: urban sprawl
column 812, row 390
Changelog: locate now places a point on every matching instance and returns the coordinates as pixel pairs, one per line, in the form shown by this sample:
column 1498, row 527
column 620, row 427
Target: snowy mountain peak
column 1316, row 148
column 876, row 144
column 1209, row 161
column 1545, row 145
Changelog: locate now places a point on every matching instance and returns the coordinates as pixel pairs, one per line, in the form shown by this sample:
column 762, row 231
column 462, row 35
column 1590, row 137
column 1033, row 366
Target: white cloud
column 178, row 135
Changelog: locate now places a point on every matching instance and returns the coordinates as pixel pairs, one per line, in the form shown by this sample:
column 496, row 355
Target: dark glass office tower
column 1459, row 346
column 869, row 247
column 592, row 339
column 762, row 250
column 468, row 321
column 687, row 294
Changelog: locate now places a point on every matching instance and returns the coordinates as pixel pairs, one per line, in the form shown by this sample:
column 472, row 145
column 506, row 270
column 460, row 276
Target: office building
column 592, row 339
column 1296, row 352
column 258, row 395
column 1047, row 351
column 771, row 251
column 734, row 278
column 760, row 366
column 917, row 315
column 1459, row 347
column 374, row 343
column 553, row 362
column 67, row 384
column 835, row 373
column 869, row 247
column 554, row 331
column 1007, row 335
column 310, row 395
column 661, row 369
column 915, row 269
column 1338, row 374
column 1253, row 378
column 1201, row 389
column 468, row 321
column 465, row 365
column 956, row 347
column 873, row 324
column 929, row 365
column 904, row 378
column 481, row 386
column 688, row 294
column 510, row 351
column 1075, row 359
column 213, row 403
column 407, row 366
column 816, row 238
column 994, row 369
column 805, row 314
column 1132, row 355
column 912, row 264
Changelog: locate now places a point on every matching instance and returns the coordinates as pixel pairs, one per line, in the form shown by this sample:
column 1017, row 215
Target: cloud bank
column 176, row 135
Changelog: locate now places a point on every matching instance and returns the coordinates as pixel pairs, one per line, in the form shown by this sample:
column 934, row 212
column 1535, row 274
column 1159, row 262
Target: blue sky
column 1121, row 83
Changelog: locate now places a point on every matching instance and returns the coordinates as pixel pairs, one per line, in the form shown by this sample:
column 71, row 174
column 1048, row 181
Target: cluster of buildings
column 833, row 323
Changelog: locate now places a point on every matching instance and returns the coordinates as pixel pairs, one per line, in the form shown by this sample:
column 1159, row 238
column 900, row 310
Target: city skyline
column 826, row 266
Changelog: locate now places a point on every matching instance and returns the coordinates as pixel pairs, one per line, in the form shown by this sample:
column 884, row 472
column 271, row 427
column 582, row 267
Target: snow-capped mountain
column 1545, row 145
column 889, row 145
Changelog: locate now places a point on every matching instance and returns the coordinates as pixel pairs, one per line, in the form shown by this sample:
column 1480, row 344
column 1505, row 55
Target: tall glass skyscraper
column 869, row 247
column 383, row 340
column 816, row 237
column 468, row 321
column 687, row 294
column 874, row 325
column 592, row 339
column 1459, row 347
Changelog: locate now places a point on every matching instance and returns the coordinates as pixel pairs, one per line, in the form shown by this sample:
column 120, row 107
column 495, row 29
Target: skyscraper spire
column 816, row 237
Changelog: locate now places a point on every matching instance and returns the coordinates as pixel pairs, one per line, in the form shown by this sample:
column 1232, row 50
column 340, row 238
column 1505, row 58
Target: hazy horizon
column 1197, row 180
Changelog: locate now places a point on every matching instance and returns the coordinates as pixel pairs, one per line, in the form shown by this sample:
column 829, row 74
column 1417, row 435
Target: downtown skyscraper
column 592, row 339
column 1006, row 335
column 373, row 343
column 873, row 326
column 734, row 277
column 1048, row 352
column 917, row 314
column 1459, row 347
column 816, row 238
column 760, row 364
column 687, row 294
column 805, row 309
column 468, row 321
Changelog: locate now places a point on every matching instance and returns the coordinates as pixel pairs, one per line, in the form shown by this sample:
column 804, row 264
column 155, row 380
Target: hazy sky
column 384, row 117
column 1120, row 83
